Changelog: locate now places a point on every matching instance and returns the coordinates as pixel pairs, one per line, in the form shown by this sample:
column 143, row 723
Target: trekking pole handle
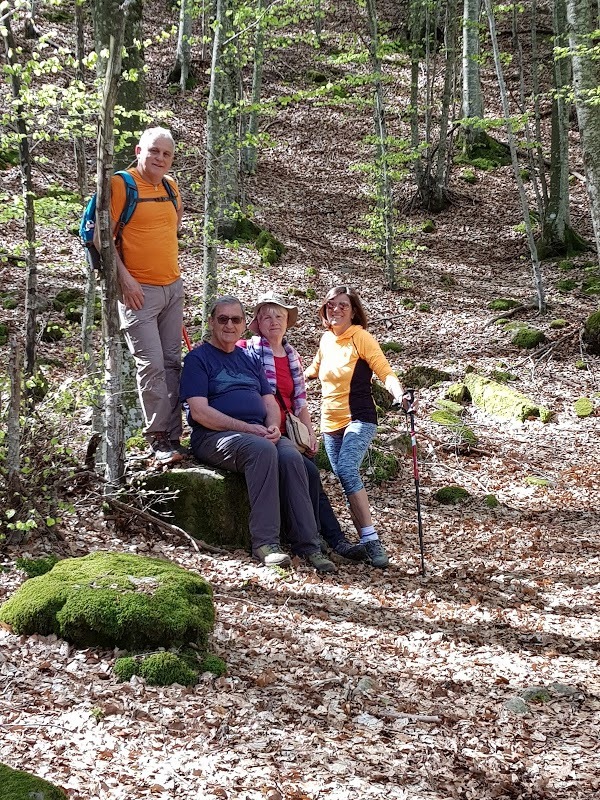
column 407, row 404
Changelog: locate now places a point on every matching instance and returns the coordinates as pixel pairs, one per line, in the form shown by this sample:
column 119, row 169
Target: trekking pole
column 409, row 395
column 186, row 338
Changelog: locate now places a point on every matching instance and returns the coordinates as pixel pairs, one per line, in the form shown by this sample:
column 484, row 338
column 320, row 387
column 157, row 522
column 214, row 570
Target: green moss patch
column 452, row 495
column 392, row 347
column 455, row 425
column 528, row 338
column 245, row 230
column 114, row 600
column 556, row 324
column 535, row 480
column 503, row 304
column 584, row 407
column 33, row 567
column 17, row 785
column 457, row 393
column 491, row 501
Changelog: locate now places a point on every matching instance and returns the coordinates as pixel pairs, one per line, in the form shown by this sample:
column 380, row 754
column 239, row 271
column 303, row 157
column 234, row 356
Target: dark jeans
column 327, row 522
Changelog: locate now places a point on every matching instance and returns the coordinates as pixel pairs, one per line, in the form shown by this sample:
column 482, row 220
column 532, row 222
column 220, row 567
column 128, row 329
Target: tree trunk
column 131, row 96
column 213, row 157
column 13, row 422
column 385, row 211
column 442, row 170
column 28, row 197
column 181, row 68
column 472, row 97
column 110, row 317
column 537, row 274
column 582, row 16
column 249, row 150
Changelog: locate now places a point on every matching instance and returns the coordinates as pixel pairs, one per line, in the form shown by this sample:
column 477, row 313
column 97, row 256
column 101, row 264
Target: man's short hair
column 152, row 134
column 225, row 300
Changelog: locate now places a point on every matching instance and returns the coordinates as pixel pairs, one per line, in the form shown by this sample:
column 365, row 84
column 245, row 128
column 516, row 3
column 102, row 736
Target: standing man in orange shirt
column 151, row 303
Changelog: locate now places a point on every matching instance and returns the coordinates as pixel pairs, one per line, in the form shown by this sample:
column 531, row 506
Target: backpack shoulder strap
column 131, row 197
column 170, row 191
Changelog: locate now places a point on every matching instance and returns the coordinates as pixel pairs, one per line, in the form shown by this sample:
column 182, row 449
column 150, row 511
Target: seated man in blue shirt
column 234, row 418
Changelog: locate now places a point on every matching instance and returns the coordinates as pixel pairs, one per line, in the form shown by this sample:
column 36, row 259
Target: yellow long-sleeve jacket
column 345, row 365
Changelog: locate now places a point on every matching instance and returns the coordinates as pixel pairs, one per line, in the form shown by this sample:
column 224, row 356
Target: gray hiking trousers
column 153, row 336
column 277, row 485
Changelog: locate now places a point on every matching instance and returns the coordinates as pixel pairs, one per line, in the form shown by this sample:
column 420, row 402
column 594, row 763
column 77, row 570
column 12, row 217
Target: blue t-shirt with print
column 231, row 382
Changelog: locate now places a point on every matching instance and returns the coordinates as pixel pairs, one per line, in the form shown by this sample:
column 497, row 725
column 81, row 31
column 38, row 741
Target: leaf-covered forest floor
column 363, row 684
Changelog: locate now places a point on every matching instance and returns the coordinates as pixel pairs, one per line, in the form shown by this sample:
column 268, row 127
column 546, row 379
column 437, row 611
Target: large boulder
column 115, row 600
column 17, row 785
column 209, row 504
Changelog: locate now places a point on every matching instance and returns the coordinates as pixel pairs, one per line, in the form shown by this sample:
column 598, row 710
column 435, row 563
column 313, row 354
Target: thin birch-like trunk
column 114, row 449
column 213, row 154
column 249, row 150
column 28, row 197
column 13, row 422
column 537, row 273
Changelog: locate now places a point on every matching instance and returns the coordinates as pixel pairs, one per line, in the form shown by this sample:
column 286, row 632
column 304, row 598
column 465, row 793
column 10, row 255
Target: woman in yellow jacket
column 345, row 362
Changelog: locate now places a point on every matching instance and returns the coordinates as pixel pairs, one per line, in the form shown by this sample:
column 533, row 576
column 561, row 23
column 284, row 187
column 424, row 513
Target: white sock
column 368, row 534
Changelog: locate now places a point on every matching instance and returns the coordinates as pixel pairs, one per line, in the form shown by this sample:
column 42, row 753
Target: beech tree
column 472, row 96
column 583, row 24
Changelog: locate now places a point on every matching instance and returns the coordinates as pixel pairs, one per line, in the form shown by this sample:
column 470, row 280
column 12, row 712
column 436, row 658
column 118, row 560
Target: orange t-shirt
column 149, row 241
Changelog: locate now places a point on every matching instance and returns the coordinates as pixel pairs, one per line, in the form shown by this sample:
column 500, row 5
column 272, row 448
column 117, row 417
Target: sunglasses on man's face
column 223, row 319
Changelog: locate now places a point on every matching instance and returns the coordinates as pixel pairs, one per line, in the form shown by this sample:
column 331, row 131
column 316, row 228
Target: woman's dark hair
column 359, row 316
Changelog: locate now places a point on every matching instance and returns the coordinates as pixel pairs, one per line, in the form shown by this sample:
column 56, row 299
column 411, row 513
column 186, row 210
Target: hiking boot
column 376, row 554
column 177, row 447
column 163, row 450
column 319, row 562
column 355, row 552
column 271, row 556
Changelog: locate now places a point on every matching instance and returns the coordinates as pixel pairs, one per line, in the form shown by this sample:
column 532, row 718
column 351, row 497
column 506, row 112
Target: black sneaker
column 376, row 554
column 163, row 450
column 319, row 562
column 355, row 552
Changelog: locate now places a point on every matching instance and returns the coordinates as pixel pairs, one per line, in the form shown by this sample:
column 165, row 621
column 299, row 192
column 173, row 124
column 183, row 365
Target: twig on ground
column 511, row 313
column 167, row 527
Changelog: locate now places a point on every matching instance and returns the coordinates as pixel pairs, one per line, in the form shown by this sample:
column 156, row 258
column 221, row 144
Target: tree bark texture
column 28, row 197
column 582, row 17
column 114, row 450
column 472, row 97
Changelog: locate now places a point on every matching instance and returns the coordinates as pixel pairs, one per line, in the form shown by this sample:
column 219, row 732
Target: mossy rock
column 423, row 377
column 468, row 176
column 503, row 401
column 455, row 425
column 450, row 405
column 528, row 338
column 591, row 333
column 565, row 286
column 114, row 600
column 68, row 297
column 457, row 393
column 503, row 377
column 208, row 503
column 452, row 495
column 158, row 669
column 383, row 399
column 53, row 332
column 429, row 226
column 380, row 466
column 491, row 501
column 535, row 480
column 591, row 286
column 33, row 567
column 557, row 324
column 269, row 248
column 241, row 229
column 17, row 785
column 392, row 347
column 8, row 300
column 503, row 304
column 584, row 407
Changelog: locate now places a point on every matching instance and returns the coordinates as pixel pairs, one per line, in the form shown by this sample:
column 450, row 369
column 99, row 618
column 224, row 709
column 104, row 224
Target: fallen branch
column 167, row 527
column 412, row 717
column 511, row 313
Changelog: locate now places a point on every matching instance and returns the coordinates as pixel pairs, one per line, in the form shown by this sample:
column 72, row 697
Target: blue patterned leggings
column 346, row 449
